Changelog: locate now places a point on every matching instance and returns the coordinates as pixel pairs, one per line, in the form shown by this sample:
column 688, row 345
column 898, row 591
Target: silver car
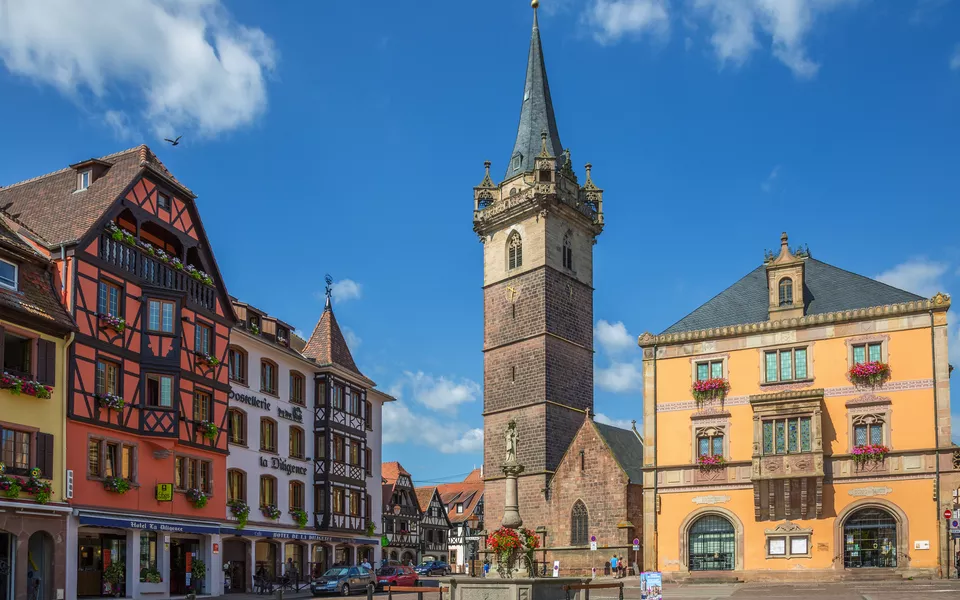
column 343, row 581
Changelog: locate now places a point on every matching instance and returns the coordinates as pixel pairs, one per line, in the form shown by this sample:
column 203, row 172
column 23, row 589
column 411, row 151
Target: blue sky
column 346, row 137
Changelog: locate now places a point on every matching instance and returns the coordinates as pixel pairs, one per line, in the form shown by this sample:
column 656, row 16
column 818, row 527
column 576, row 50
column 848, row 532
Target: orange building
column 797, row 425
column 147, row 386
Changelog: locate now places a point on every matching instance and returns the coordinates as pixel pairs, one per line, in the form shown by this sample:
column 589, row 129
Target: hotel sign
column 249, row 399
column 165, row 492
column 294, row 414
column 282, row 465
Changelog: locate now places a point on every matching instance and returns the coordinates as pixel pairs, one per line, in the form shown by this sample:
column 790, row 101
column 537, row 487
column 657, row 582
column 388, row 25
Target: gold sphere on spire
column 535, row 3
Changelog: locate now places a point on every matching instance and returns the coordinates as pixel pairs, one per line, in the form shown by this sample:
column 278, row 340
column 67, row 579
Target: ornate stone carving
column 711, row 499
column 787, row 527
column 870, row 491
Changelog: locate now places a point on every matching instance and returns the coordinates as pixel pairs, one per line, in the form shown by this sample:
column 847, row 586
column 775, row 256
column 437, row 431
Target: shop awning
column 124, row 521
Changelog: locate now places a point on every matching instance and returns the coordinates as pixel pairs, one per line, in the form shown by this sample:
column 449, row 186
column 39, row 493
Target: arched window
column 579, row 521
column 268, row 376
column 298, row 388
column 514, row 251
column 237, row 427
column 236, row 485
column 712, row 545
column 268, row 490
column 786, row 292
column 568, row 250
column 870, row 536
column 296, row 495
column 296, row 442
column 268, row 435
column 237, row 366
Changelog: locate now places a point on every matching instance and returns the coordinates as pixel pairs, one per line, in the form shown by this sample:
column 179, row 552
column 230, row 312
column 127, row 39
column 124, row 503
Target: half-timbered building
column 401, row 515
column 147, row 377
column 434, row 525
column 464, row 506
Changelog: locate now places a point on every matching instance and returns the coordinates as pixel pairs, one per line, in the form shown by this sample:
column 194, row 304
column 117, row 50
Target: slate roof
column 36, row 300
column 536, row 111
column 327, row 346
column 826, row 289
column 51, row 207
column 626, row 447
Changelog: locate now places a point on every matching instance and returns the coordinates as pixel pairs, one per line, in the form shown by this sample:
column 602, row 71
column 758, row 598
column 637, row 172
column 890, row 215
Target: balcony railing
column 349, row 471
column 154, row 271
column 806, row 464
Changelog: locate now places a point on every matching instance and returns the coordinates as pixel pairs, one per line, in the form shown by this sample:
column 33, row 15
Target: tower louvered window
column 567, row 251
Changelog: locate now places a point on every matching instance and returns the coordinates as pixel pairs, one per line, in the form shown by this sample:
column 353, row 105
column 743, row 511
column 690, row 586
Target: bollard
column 279, row 595
column 370, row 589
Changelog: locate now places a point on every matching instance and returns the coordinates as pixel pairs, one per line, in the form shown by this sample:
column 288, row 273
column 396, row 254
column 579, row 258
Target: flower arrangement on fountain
column 869, row 374
column 867, row 453
column 271, row 512
column 710, row 389
column 116, row 485
column 300, row 516
column 711, row 462
column 197, row 497
column 207, row 429
column 18, row 386
column 113, row 322
column 241, row 511
column 508, row 545
column 209, row 359
column 108, row 400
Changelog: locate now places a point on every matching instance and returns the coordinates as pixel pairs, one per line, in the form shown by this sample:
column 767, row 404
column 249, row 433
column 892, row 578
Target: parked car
column 433, row 567
column 343, row 581
column 397, row 575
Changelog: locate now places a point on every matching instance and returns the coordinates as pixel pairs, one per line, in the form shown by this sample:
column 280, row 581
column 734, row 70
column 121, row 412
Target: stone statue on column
column 511, row 469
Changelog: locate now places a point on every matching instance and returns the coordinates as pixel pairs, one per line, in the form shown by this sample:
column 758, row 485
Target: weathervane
column 329, row 281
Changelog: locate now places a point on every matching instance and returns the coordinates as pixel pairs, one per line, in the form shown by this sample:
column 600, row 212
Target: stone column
column 252, row 570
column 511, row 502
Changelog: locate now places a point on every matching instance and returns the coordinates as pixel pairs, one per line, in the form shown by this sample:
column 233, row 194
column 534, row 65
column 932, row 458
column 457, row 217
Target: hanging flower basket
column 869, row 374
column 241, row 511
column 711, row 462
column 868, row 453
column 204, row 358
column 271, row 512
column 207, row 429
column 300, row 517
column 116, row 485
column 112, row 322
column 710, row 389
column 111, row 401
column 197, row 497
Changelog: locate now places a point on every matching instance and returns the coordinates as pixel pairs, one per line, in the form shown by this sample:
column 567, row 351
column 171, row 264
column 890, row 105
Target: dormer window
column 517, row 161
column 8, row 275
column 163, row 201
column 254, row 324
column 282, row 335
column 83, row 180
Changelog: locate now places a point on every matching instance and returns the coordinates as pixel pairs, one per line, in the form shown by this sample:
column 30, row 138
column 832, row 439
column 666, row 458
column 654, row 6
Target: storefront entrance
column 235, row 572
column 870, row 539
column 183, row 553
column 6, row 566
column 40, row 584
column 95, row 554
column 712, row 544
column 267, row 561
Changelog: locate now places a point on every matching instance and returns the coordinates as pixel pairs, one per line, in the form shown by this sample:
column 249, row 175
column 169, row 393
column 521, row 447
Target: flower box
column 869, row 374
column 711, row 462
column 716, row 388
column 116, row 485
column 209, row 359
column 112, row 322
column 207, row 429
column 241, row 511
column 111, row 401
column 197, row 497
column 126, row 237
column 17, row 386
column 868, row 453
column 271, row 512
column 300, row 517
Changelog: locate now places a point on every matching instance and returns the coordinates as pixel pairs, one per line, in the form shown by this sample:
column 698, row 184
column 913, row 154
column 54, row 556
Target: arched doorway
column 393, row 555
column 40, row 566
column 407, row 558
column 870, row 539
column 712, row 544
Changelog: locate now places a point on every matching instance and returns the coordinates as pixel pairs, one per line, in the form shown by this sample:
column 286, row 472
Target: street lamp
column 542, row 532
column 471, row 546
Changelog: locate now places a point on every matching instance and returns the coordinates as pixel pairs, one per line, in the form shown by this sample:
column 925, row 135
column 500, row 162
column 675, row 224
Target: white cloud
column 346, row 289
column 403, row 426
column 613, row 337
column 439, row 393
column 621, row 423
column 350, row 336
column 918, row 276
column 619, row 377
column 955, row 59
column 611, row 20
column 119, row 122
column 767, row 185
column 185, row 65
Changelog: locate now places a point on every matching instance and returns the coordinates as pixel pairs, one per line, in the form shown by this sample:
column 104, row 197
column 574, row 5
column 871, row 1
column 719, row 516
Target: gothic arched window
column 578, row 525
column 786, row 292
column 567, row 251
column 514, row 251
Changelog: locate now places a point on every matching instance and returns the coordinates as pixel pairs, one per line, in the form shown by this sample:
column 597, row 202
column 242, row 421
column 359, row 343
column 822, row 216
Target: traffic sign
column 947, row 513
column 636, row 541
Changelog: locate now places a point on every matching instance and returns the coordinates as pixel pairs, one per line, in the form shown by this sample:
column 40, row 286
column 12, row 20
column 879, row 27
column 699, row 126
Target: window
column 871, row 352
column 108, row 378
column 254, row 324
column 93, row 457
column 338, row 397
column 148, row 553
column 518, row 158
column 867, row 429
column 297, row 388
column 268, row 490
column 368, row 416
column 163, row 201
column 202, row 407
column 236, row 485
column 459, row 508
column 355, row 453
column 353, row 402
column 108, row 299
column 786, row 436
column 296, row 442
column 710, row 442
column 202, row 337
column 17, row 355
column 567, row 251
column 321, row 446
column 109, row 458
column 204, row 481
column 578, row 525
column 83, row 180
column 268, row 435
column 160, row 315
column 368, row 461
column 788, row 541
column 237, row 427
column 237, row 368
column 15, row 450
column 268, row 377
column 296, row 495
column 160, row 391
column 338, row 500
column 354, row 502
column 8, row 275
column 338, row 448
column 190, row 473
column 786, row 292
column 282, row 335
column 514, row 251
column 710, row 369
column 785, row 365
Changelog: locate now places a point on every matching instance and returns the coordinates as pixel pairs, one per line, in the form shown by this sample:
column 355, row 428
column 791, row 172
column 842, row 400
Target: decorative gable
column 785, row 281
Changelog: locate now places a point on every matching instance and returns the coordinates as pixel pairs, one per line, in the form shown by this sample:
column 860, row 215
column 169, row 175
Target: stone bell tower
column 537, row 227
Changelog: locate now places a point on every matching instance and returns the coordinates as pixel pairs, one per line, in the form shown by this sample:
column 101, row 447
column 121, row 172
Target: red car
column 397, row 575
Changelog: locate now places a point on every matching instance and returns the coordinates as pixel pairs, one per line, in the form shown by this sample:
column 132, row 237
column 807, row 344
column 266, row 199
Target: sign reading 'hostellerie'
column 248, row 399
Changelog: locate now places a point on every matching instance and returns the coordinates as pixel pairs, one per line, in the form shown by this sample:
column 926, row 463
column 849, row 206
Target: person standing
column 613, row 566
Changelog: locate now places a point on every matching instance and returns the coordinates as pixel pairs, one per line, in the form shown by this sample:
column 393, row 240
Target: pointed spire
column 536, row 112
column 327, row 345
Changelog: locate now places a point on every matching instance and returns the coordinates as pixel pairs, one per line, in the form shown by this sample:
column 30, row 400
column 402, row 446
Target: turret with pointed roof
column 327, row 346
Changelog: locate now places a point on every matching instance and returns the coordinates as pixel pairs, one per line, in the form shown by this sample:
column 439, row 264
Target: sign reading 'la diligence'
column 282, row 465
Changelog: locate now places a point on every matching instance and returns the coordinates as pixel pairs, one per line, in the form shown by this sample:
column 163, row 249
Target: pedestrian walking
column 613, row 566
